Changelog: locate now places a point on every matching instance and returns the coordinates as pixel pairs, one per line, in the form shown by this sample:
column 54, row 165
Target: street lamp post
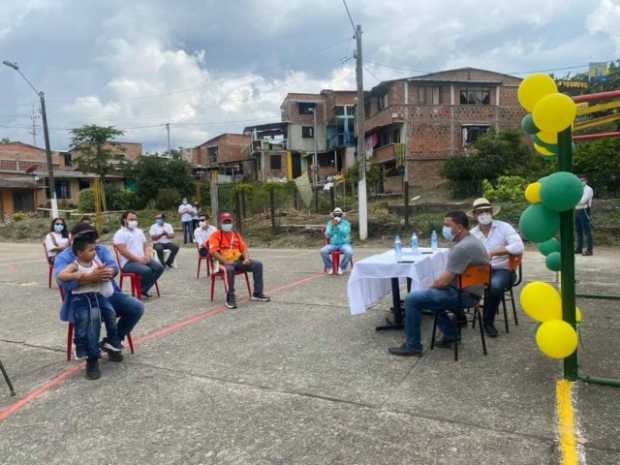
column 48, row 150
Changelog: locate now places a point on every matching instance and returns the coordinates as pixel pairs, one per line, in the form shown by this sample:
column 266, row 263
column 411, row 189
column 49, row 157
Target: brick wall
column 27, row 155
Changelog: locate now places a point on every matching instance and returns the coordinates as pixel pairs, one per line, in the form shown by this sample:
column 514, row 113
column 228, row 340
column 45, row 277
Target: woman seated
column 57, row 239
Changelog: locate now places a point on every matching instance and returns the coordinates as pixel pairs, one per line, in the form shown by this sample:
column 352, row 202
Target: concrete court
column 295, row 381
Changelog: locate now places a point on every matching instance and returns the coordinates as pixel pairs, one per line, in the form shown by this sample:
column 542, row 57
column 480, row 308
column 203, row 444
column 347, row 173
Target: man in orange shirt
column 229, row 248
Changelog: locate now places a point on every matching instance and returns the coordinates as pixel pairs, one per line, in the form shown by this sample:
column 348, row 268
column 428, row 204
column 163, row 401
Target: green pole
column 567, row 244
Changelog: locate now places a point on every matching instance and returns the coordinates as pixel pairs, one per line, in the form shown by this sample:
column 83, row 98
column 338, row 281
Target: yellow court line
column 566, row 422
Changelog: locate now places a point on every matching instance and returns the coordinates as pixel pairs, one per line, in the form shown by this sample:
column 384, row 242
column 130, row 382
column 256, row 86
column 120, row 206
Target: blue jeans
column 149, row 273
column 89, row 310
column 345, row 249
column 129, row 311
column 437, row 300
column 188, row 231
column 500, row 282
column 583, row 224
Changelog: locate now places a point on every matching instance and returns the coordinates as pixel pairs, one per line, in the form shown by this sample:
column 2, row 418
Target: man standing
column 128, row 309
column 186, row 212
column 443, row 293
column 583, row 218
column 162, row 234
column 338, row 234
column 229, row 248
column 500, row 241
column 135, row 253
column 202, row 234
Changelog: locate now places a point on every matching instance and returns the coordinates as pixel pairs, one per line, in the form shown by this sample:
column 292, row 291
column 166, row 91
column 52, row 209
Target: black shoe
column 231, row 302
column 261, row 298
column 490, row 330
column 114, row 352
column 445, row 343
column 577, row 252
column 146, row 295
column 403, row 351
column 92, row 369
column 587, row 253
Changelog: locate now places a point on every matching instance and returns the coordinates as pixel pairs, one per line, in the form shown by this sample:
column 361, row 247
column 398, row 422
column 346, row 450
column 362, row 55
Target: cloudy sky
column 212, row 66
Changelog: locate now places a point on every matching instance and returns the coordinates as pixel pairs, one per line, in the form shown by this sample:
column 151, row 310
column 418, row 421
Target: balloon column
column 550, row 199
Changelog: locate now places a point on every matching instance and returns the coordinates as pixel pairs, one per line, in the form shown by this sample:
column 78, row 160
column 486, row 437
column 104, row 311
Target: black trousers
column 173, row 248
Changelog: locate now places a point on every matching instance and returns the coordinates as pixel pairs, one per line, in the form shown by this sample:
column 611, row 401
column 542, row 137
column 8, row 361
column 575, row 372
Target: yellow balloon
column 556, row 339
column 578, row 314
column 541, row 301
column 532, row 192
column 548, row 137
column 554, row 113
column 534, row 88
column 543, row 151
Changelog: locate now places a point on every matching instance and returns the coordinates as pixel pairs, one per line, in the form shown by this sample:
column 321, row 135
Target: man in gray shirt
column 443, row 293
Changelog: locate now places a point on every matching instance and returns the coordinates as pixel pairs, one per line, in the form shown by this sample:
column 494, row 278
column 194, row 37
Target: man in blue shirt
column 338, row 235
column 128, row 309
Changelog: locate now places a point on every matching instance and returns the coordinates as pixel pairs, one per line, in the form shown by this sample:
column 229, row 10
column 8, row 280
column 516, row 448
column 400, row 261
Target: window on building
column 67, row 158
column 63, row 189
column 339, row 111
column 472, row 133
column 384, row 138
column 83, row 184
column 429, row 95
column 212, row 154
column 382, row 102
column 276, row 162
column 305, row 108
column 475, row 97
column 307, row 132
column 396, row 136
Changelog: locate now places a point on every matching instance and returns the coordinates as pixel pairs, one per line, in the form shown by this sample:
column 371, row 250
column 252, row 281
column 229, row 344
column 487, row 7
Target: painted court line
column 164, row 331
column 566, row 423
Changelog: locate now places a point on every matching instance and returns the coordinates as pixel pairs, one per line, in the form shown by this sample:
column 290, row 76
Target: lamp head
column 11, row 65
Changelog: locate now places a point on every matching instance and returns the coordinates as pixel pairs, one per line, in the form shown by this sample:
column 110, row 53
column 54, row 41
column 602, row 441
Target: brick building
column 435, row 116
column 335, row 129
column 268, row 149
column 228, row 153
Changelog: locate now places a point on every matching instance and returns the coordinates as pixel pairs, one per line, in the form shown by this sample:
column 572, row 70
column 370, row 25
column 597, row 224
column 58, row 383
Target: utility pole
column 361, row 149
column 168, row 132
column 315, row 160
column 34, row 126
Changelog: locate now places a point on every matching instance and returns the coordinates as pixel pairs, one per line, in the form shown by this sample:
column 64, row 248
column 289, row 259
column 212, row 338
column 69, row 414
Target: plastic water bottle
column 398, row 248
column 415, row 247
column 434, row 240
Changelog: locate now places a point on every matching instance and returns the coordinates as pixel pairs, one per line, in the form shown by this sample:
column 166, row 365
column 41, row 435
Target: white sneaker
column 340, row 270
column 329, row 271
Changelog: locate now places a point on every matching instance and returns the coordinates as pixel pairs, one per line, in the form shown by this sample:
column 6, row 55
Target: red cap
column 226, row 217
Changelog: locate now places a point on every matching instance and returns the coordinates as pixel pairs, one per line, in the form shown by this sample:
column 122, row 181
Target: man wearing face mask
column 443, row 293
column 162, row 234
column 228, row 247
column 338, row 233
column 583, row 219
column 186, row 211
column 500, row 240
column 202, row 234
column 135, row 253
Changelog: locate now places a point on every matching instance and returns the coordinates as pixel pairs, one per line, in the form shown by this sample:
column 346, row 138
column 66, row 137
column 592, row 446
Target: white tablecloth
column 370, row 279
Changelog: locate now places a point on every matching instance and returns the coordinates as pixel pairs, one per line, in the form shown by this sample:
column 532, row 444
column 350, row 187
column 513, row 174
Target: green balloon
column 554, row 261
column 538, row 223
column 548, row 247
column 527, row 124
column 561, row 191
column 551, row 147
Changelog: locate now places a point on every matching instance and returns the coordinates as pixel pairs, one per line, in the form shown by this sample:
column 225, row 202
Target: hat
column 226, row 217
column 337, row 212
column 160, row 216
column 483, row 203
column 84, row 229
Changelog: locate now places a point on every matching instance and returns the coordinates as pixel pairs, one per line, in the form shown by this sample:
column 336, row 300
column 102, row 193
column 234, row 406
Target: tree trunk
column 104, row 204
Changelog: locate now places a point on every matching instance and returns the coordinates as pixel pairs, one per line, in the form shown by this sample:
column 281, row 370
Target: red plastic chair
column 51, row 267
column 135, row 279
column 222, row 274
column 201, row 259
column 70, row 334
column 335, row 256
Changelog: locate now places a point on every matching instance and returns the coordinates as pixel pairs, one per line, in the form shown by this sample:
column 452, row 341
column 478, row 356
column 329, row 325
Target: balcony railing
column 384, row 153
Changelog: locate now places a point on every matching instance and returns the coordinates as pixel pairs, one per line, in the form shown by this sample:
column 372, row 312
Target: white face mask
column 132, row 224
column 485, row 218
column 202, row 224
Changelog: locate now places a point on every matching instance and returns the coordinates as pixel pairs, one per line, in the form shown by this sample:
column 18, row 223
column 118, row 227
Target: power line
column 346, row 7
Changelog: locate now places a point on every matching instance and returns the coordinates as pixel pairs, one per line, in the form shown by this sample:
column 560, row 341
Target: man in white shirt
column 186, row 211
column 501, row 240
column 162, row 234
column 203, row 233
column 583, row 218
column 134, row 252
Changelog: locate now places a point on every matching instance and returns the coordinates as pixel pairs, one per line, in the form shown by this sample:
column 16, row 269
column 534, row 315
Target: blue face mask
column 59, row 228
column 447, row 233
column 227, row 227
column 159, row 221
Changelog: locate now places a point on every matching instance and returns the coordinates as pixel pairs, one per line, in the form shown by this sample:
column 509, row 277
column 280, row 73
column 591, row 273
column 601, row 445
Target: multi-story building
column 268, row 149
column 335, row 131
column 228, row 154
column 435, row 116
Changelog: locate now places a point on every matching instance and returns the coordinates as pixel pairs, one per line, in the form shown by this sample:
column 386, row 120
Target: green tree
column 89, row 142
column 600, row 162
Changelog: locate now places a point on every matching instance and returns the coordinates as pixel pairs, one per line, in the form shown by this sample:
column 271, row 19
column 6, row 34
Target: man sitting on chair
column 338, row 234
column 162, row 234
column 443, row 293
column 135, row 253
column 202, row 234
column 228, row 247
column 501, row 240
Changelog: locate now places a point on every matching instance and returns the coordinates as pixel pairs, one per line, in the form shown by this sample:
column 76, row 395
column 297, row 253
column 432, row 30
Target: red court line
column 164, row 331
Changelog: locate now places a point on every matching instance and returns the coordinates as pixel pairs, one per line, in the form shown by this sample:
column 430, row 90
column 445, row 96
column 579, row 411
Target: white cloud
column 605, row 19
